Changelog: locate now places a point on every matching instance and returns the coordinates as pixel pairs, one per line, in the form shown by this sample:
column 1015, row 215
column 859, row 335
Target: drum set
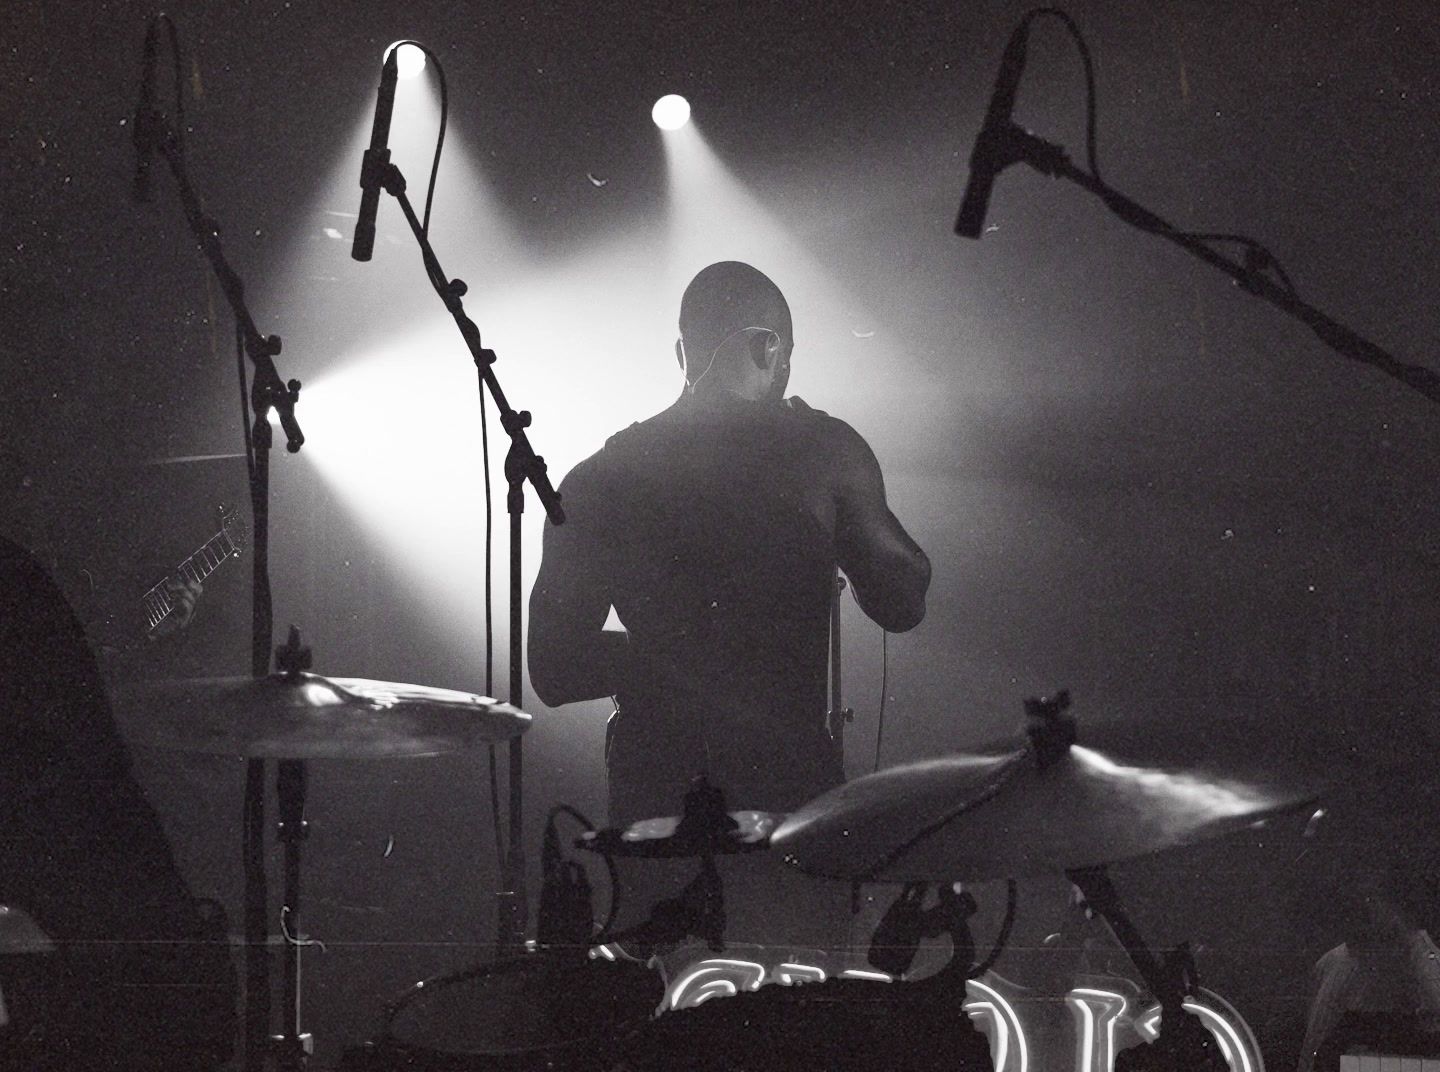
column 1061, row 798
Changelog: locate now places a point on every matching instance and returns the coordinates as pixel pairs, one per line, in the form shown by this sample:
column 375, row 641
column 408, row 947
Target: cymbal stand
column 293, row 1045
column 1183, row 1044
column 699, row 909
column 153, row 133
column 521, row 464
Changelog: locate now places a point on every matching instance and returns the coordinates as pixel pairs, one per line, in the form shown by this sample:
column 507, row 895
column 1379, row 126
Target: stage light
column 671, row 112
column 409, row 61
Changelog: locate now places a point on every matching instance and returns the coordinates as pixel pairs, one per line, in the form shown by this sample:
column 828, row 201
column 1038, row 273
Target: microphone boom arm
column 1020, row 146
column 521, row 464
column 267, row 390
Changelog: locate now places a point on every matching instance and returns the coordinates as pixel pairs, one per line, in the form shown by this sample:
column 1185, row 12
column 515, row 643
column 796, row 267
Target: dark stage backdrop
column 1133, row 479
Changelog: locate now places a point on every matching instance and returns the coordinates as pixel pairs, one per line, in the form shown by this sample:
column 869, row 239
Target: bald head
column 722, row 301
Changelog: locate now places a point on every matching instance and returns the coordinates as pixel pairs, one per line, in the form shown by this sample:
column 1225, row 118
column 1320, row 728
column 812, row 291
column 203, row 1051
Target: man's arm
column 890, row 572
column 572, row 655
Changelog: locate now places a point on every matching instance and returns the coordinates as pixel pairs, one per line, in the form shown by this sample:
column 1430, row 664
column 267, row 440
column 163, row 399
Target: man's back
column 713, row 527
column 713, row 530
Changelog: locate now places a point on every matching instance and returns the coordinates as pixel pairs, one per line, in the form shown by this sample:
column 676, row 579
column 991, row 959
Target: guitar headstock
column 235, row 527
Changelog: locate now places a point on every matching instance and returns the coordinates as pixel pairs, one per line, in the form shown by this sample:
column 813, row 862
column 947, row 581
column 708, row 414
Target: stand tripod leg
column 257, row 967
column 512, row 908
column 294, row 1046
column 1183, row 1044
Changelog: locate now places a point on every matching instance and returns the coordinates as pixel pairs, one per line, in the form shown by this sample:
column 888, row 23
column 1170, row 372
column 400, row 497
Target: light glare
column 409, row 61
column 671, row 112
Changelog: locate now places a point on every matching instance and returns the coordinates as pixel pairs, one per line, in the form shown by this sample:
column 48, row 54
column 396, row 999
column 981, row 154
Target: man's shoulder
column 836, row 436
column 594, row 471
column 640, row 437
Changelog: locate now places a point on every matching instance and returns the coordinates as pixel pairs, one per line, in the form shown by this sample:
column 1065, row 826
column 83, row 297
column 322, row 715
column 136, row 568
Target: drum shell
column 839, row 1025
column 533, row 1012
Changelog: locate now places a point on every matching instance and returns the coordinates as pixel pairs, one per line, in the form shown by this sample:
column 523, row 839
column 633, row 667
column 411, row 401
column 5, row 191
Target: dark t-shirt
column 712, row 527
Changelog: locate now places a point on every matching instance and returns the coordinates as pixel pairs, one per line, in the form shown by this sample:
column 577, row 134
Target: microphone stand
column 521, row 464
column 153, row 133
column 1014, row 144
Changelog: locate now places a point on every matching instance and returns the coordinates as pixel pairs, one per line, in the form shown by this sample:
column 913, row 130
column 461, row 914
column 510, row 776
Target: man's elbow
column 906, row 618
column 902, row 607
column 548, row 690
column 549, row 679
column 901, row 616
column 569, row 667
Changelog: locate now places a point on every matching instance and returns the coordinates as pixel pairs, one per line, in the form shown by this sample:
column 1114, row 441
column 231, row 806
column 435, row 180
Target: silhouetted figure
column 1379, row 990
column 713, row 529
column 140, row 976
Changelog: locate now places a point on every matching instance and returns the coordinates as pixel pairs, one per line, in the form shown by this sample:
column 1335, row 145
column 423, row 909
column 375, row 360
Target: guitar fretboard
column 157, row 602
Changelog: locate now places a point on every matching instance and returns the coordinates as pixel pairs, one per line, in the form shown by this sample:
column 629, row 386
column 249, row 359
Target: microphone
column 992, row 153
column 897, row 937
column 143, row 132
column 377, row 158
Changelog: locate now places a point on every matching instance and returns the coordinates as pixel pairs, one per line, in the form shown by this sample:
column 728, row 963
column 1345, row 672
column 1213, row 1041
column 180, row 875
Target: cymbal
column 1120, row 791
column 312, row 717
column 187, row 459
column 663, row 838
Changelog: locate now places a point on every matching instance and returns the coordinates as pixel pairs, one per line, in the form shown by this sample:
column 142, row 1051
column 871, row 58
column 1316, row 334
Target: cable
column 884, row 688
column 444, row 119
column 1085, row 60
column 610, row 867
column 738, row 331
column 1258, row 259
column 439, row 140
column 1000, row 780
column 493, row 765
column 1011, row 899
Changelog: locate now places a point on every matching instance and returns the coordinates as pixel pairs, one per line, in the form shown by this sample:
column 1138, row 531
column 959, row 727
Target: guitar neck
column 157, row 603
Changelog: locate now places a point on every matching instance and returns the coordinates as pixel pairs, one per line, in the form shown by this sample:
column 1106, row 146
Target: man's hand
column 184, row 594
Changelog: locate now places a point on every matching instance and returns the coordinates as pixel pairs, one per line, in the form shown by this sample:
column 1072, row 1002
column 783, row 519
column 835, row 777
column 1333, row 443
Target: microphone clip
column 377, row 173
column 1009, row 143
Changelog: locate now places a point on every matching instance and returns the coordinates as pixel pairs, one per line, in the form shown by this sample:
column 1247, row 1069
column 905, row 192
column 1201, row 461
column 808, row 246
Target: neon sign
column 1105, row 1014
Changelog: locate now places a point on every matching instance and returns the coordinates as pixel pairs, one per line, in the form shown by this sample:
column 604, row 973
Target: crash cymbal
column 1119, row 791
column 307, row 716
column 664, row 837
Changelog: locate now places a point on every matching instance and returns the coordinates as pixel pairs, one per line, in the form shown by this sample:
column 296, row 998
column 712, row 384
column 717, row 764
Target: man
column 714, row 529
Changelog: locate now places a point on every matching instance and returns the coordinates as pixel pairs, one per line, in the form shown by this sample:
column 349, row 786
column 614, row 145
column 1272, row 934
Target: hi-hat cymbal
column 1120, row 791
column 312, row 717
column 665, row 838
